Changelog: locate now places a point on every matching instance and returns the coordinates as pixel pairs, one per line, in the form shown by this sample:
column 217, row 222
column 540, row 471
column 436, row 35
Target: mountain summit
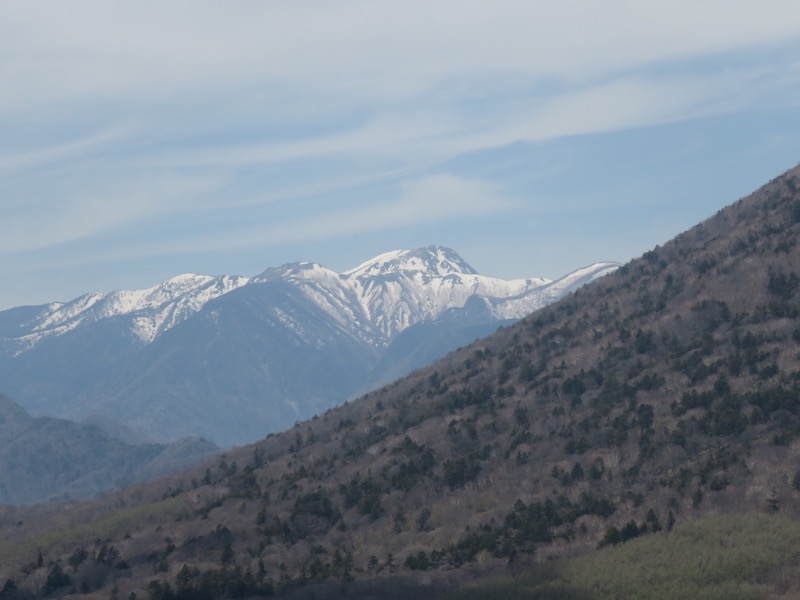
column 232, row 358
column 431, row 261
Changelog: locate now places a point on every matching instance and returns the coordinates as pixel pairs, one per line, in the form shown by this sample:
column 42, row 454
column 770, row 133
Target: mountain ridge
column 44, row 459
column 158, row 308
column 282, row 345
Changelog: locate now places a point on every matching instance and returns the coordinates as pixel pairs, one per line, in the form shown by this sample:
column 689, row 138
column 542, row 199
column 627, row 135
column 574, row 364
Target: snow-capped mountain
column 153, row 310
column 233, row 358
column 374, row 301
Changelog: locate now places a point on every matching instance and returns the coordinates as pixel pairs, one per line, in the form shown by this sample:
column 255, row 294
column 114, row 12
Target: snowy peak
column 244, row 356
column 297, row 271
column 372, row 303
column 436, row 261
column 152, row 310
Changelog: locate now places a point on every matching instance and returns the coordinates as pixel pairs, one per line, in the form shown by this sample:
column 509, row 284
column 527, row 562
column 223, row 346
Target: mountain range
column 636, row 439
column 232, row 358
column 45, row 459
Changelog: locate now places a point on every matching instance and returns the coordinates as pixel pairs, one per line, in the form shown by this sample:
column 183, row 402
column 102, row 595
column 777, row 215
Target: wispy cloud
column 40, row 223
column 361, row 48
column 116, row 115
column 85, row 147
column 419, row 202
column 428, row 200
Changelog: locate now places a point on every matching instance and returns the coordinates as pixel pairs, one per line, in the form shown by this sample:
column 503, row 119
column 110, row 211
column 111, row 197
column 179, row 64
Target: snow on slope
column 152, row 310
column 397, row 289
column 516, row 307
column 374, row 301
column 432, row 260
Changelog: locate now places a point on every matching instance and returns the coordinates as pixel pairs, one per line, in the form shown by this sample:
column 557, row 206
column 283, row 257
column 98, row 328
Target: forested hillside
column 661, row 394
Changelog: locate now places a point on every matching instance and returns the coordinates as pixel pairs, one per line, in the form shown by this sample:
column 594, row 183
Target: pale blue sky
column 143, row 140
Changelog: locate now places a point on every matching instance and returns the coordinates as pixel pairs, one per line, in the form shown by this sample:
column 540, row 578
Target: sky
column 142, row 140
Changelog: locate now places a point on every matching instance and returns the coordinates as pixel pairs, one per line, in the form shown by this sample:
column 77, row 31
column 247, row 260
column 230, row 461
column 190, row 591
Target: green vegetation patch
column 724, row 557
column 106, row 526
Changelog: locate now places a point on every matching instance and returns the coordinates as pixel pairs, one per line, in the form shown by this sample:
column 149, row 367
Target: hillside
column 663, row 393
column 45, row 459
column 233, row 358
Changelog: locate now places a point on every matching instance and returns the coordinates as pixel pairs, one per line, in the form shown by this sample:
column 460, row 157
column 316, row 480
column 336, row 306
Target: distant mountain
column 648, row 422
column 234, row 358
column 46, row 459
